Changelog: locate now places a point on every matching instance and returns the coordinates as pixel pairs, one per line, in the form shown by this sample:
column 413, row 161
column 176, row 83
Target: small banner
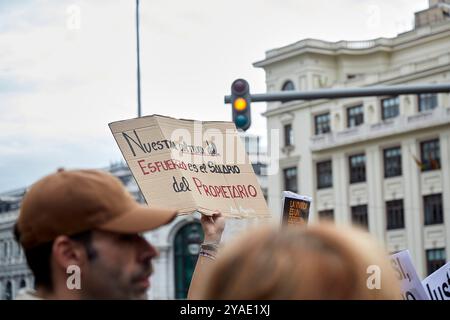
column 295, row 208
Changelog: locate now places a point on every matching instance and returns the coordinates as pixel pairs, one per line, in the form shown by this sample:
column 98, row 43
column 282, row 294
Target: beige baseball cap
column 69, row 202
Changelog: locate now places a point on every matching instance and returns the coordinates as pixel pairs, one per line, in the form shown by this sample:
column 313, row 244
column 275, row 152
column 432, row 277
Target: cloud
column 65, row 74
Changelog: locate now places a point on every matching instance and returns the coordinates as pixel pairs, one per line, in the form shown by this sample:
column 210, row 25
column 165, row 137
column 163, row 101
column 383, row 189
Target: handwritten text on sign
column 190, row 165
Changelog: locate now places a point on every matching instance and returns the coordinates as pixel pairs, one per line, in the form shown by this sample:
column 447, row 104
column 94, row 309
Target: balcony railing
column 400, row 124
column 358, row 44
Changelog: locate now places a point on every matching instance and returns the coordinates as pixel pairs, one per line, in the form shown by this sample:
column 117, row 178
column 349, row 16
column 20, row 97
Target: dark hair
column 39, row 257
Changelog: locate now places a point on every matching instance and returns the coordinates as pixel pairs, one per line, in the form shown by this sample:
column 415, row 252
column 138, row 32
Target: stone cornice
column 404, row 40
column 293, row 106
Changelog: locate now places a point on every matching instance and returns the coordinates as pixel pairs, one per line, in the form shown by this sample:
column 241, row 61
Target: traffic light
column 240, row 102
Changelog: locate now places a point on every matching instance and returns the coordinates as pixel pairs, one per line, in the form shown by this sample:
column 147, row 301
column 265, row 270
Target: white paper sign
column 437, row 284
column 410, row 283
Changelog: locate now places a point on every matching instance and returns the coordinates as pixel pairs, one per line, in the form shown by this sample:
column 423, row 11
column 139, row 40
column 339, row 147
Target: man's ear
column 67, row 252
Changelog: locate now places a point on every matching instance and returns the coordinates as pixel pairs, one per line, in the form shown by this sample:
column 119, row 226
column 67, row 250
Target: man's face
column 120, row 268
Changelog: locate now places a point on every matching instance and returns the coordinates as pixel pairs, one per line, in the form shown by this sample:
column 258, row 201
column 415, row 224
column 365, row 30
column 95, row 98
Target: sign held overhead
column 191, row 165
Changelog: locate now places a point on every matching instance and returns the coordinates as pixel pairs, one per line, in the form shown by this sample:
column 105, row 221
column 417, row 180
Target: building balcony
column 366, row 132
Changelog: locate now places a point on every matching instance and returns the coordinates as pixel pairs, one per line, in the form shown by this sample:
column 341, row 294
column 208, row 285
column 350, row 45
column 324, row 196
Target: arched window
column 288, row 86
column 8, row 291
column 22, row 284
column 186, row 249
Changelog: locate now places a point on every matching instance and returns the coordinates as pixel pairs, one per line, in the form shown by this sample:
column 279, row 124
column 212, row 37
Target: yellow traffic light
column 241, row 100
column 240, row 104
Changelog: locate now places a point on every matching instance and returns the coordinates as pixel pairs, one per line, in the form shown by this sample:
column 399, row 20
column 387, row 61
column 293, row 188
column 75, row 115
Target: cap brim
column 140, row 219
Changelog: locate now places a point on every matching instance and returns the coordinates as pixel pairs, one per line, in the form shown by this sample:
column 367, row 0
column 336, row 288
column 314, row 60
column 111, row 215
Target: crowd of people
column 87, row 219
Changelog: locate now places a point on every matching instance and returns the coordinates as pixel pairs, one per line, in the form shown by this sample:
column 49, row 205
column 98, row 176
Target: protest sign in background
column 437, row 284
column 191, row 165
column 410, row 283
column 295, row 208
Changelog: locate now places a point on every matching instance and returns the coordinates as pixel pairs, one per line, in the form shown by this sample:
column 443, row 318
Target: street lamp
column 138, row 60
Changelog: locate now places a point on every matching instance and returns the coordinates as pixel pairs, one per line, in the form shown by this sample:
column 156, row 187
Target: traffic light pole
column 285, row 96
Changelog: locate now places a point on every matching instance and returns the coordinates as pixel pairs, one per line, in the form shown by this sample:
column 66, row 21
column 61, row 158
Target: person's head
column 315, row 262
column 86, row 221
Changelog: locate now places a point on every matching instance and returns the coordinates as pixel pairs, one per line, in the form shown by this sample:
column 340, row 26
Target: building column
column 407, row 104
column 443, row 100
column 444, row 142
column 275, row 170
column 374, row 172
column 413, row 205
column 159, row 280
column 340, row 188
column 167, row 269
column 13, row 287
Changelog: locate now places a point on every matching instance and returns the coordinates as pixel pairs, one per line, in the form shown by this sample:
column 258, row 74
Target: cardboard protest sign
column 437, row 284
column 190, row 165
column 410, row 283
column 295, row 208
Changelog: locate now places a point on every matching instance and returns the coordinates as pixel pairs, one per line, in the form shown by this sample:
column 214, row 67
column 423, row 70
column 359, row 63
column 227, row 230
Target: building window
column 357, row 168
column 288, row 135
column 5, row 206
column 392, row 162
column 324, row 175
column 22, row 284
column 359, row 216
column 427, row 101
column 431, row 155
column 432, row 206
column 395, row 215
column 290, row 179
column 322, row 123
column 8, row 291
column 390, row 107
column 288, row 86
column 251, row 145
column 326, row 215
column 435, row 259
column 355, row 116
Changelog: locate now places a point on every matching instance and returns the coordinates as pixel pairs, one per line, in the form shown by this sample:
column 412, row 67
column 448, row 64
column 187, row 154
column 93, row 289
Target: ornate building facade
column 380, row 162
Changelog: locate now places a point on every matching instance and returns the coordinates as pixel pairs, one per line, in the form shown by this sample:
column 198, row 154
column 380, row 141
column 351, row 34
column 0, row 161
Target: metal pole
column 257, row 149
column 138, row 60
column 348, row 92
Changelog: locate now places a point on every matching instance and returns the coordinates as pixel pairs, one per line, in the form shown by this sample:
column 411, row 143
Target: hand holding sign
column 213, row 227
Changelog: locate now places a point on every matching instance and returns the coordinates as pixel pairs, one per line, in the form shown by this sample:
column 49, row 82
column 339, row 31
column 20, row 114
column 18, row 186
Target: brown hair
column 318, row 262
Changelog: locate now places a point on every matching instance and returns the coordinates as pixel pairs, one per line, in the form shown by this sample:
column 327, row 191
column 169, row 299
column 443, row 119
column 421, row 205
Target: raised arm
column 213, row 227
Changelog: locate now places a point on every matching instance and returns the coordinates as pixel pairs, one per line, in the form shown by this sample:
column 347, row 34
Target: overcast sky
column 68, row 68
